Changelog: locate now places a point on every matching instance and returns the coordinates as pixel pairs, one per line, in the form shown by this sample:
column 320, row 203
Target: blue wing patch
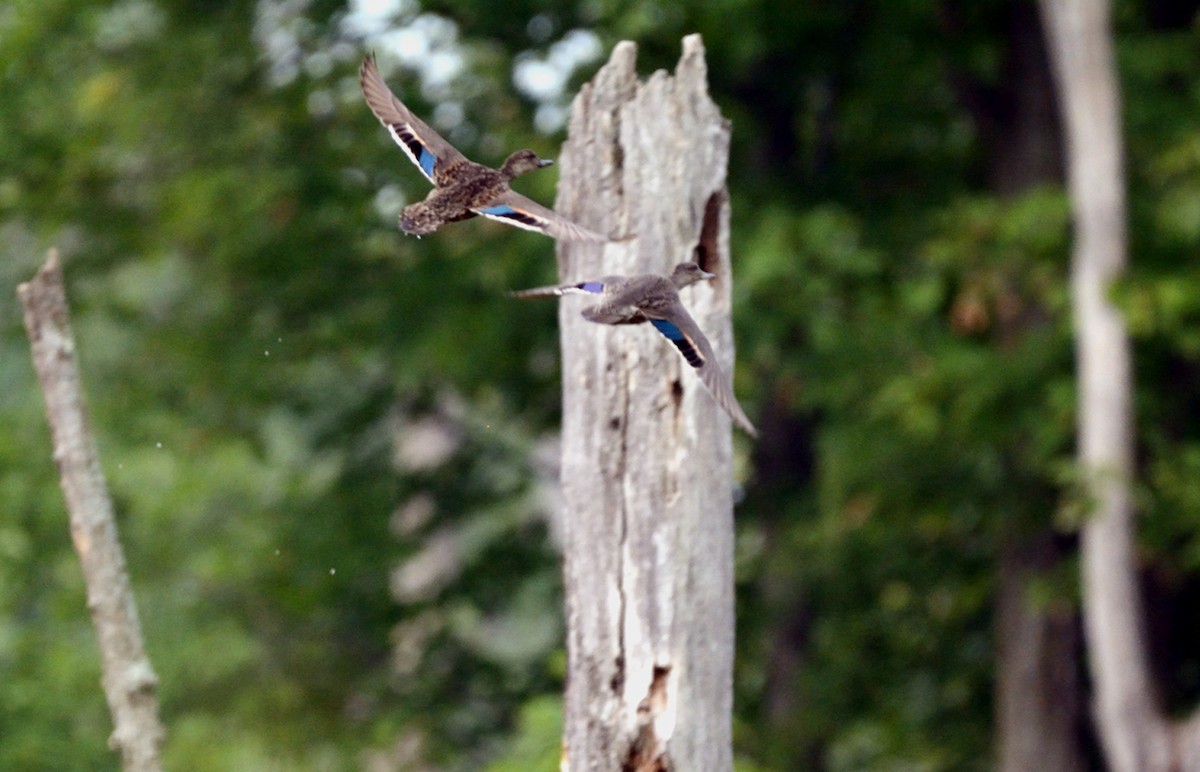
column 427, row 159
column 594, row 287
column 666, row 328
column 514, row 216
column 681, row 341
column 421, row 155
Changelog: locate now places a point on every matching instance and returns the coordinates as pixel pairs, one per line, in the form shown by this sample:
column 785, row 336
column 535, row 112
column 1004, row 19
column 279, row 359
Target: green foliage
column 537, row 743
column 325, row 440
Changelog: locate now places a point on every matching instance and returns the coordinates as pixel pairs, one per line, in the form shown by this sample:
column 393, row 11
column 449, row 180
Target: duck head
column 689, row 273
column 522, row 161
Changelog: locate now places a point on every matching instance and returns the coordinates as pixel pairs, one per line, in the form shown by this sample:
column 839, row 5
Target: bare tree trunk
column 1134, row 730
column 129, row 681
column 647, row 474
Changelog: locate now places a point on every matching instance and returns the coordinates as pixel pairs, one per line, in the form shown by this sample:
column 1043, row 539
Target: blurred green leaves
column 326, row 441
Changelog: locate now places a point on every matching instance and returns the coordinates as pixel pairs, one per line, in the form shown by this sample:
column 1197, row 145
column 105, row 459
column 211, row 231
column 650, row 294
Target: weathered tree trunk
column 1134, row 730
column 647, row 475
column 128, row 679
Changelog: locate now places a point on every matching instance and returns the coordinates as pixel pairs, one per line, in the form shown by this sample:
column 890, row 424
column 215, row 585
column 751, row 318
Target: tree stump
column 647, row 454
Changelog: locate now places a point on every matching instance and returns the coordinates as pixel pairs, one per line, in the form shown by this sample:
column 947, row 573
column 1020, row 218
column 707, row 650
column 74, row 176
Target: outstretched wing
column 678, row 326
column 514, row 209
column 609, row 310
column 420, row 143
column 579, row 288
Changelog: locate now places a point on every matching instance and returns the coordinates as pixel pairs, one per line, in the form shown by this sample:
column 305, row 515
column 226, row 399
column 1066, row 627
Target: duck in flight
column 655, row 299
column 461, row 187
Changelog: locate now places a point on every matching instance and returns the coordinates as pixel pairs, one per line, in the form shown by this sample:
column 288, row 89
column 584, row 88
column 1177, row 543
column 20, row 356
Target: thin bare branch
column 130, row 684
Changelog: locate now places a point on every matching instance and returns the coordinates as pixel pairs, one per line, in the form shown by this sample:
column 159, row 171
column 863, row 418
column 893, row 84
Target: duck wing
column 514, row 209
column 611, row 310
column 424, row 146
column 678, row 326
column 594, row 287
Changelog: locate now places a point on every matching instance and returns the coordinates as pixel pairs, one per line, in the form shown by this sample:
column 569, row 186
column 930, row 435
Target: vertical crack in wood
column 618, row 156
column 707, row 253
column 618, row 679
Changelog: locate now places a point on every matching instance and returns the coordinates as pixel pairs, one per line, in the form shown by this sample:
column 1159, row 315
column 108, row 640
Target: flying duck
column 461, row 187
column 655, row 299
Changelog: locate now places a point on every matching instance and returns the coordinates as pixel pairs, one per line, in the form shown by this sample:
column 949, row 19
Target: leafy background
column 333, row 448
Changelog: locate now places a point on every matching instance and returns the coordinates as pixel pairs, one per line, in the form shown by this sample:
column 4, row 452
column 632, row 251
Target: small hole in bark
column 658, row 688
column 618, row 679
column 614, row 423
column 647, row 752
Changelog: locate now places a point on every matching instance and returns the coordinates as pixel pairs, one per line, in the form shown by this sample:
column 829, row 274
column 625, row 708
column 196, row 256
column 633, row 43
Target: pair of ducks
column 464, row 189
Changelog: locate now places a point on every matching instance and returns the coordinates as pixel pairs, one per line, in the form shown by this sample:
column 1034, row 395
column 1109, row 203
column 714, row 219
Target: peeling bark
column 130, row 685
column 647, row 454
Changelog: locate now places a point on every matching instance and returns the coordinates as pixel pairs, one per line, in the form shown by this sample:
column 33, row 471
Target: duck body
column 464, row 189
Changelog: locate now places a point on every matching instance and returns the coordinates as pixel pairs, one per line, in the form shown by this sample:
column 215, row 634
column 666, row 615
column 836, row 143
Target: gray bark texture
column 1134, row 730
column 647, row 454
column 130, row 685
